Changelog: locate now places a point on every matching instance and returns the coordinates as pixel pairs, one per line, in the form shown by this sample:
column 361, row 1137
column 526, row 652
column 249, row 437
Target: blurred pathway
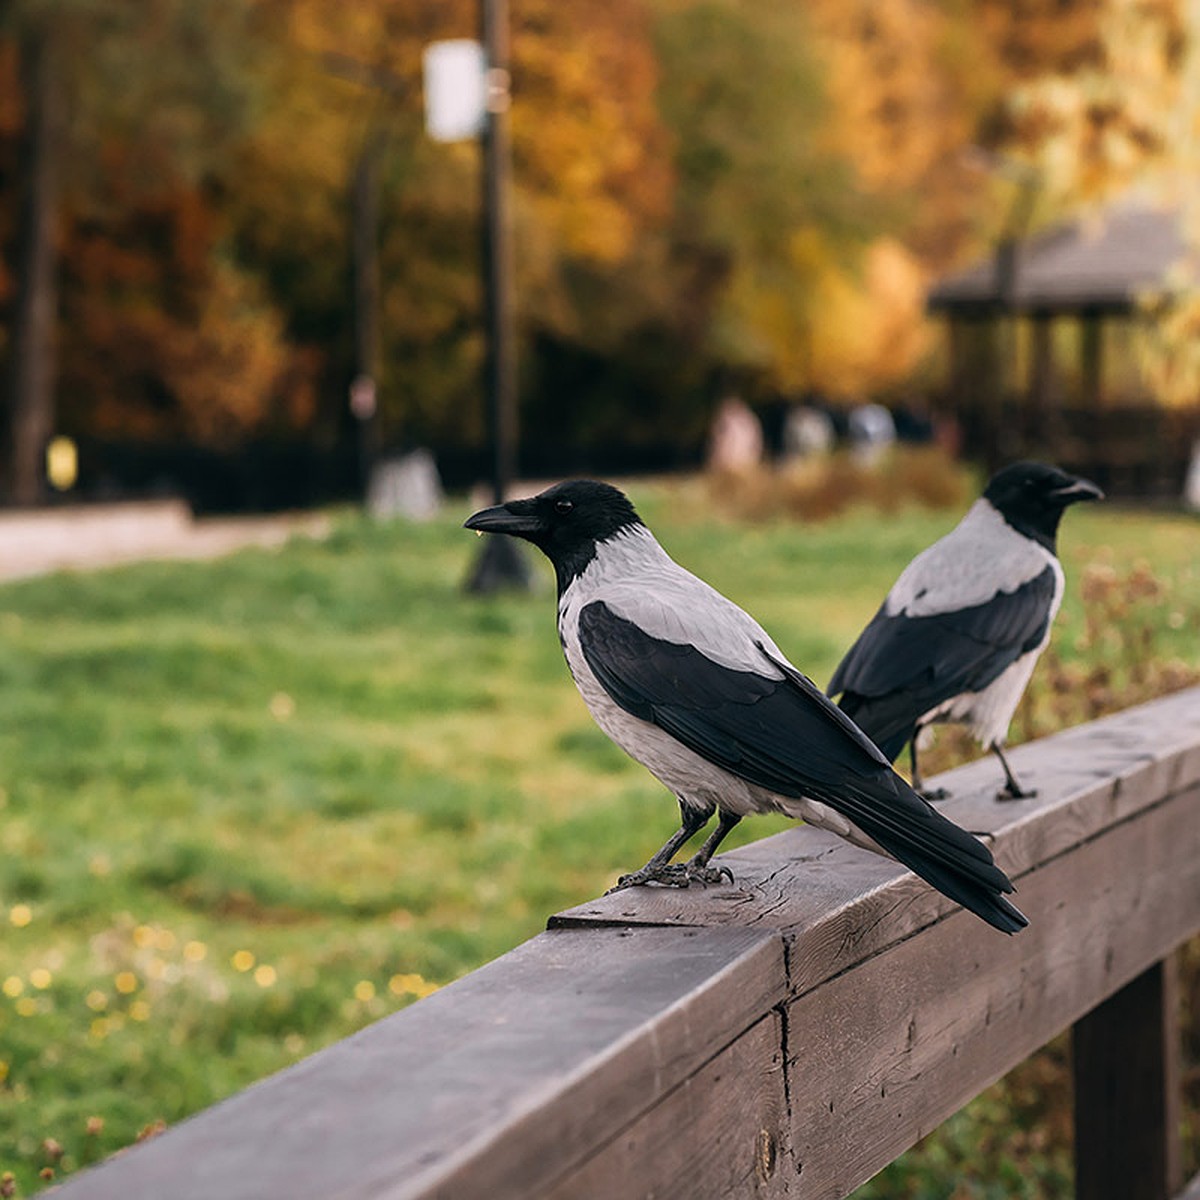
column 53, row 539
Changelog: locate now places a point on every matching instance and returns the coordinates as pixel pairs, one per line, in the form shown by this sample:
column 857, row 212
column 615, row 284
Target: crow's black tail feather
column 887, row 720
column 991, row 906
column 946, row 856
column 905, row 825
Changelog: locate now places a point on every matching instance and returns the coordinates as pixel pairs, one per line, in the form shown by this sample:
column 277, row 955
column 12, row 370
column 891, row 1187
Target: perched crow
column 692, row 687
column 958, row 635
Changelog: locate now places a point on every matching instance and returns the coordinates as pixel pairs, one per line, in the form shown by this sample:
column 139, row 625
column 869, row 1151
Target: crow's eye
column 563, row 506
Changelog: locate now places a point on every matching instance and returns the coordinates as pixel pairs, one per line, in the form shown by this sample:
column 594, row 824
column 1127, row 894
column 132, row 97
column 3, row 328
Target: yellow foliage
column 849, row 332
column 895, row 288
column 1169, row 349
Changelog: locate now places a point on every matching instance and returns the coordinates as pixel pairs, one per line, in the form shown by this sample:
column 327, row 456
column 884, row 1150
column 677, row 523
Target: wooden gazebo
column 1042, row 349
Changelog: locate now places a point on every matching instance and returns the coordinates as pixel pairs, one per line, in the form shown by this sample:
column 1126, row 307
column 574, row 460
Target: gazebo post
column 1091, row 364
column 1043, row 392
column 1091, row 356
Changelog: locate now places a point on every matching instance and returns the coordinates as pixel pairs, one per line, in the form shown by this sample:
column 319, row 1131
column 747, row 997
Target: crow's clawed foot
column 679, row 875
column 669, row 875
column 932, row 794
column 705, row 874
column 1009, row 792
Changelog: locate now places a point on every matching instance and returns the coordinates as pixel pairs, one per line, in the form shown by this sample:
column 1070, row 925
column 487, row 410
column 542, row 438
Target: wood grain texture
column 1125, row 1065
column 723, row 1132
column 887, row 1050
column 486, row 1088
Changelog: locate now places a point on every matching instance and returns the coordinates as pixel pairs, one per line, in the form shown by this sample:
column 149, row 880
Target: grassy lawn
column 248, row 806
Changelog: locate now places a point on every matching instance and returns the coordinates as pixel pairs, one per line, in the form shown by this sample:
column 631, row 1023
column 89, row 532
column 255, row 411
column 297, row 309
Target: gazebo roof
column 1102, row 262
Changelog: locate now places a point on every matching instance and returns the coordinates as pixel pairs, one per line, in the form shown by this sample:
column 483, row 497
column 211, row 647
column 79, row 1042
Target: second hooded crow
column 693, row 688
column 957, row 637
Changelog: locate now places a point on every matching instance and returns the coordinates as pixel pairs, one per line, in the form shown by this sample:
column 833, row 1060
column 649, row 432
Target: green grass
column 248, row 806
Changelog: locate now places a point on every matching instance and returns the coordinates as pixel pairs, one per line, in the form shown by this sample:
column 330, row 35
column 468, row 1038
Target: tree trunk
column 366, row 302
column 32, row 354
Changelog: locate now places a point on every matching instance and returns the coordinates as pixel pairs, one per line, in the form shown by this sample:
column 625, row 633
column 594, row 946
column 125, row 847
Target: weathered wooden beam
column 885, row 1052
column 1125, row 1062
column 892, row 1033
column 493, row 1087
column 724, row 1132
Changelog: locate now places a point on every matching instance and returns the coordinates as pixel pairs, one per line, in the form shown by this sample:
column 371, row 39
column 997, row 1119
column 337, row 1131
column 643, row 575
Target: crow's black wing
column 772, row 732
column 784, row 735
column 901, row 667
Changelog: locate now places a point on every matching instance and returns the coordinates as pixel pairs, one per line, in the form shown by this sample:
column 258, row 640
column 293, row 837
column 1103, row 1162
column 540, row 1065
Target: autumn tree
column 31, row 328
column 129, row 113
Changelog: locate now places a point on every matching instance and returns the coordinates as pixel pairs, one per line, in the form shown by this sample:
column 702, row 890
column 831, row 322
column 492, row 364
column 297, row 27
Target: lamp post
column 497, row 247
column 467, row 95
column 502, row 563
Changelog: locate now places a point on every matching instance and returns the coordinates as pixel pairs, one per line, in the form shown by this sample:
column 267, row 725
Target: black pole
column 502, row 563
column 497, row 249
column 364, row 392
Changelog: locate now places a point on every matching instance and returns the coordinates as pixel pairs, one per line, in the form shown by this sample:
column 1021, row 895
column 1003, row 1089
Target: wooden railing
column 787, row 1036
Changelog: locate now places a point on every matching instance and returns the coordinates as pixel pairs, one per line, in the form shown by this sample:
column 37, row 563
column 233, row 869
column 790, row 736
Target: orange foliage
column 590, row 149
column 171, row 339
column 897, row 102
column 591, row 173
column 910, row 83
column 223, row 367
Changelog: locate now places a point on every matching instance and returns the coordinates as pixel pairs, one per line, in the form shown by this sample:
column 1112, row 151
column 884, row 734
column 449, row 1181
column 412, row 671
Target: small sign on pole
column 455, row 90
column 363, row 400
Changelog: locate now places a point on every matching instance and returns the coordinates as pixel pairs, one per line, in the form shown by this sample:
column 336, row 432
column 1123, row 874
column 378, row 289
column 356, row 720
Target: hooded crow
column 693, row 688
column 958, row 635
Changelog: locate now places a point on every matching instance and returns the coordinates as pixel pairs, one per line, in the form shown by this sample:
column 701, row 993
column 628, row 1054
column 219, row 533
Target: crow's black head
column 565, row 522
column 1031, row 497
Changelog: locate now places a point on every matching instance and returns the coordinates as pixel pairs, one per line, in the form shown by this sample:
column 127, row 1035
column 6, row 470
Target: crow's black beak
column 1076, row 490
column 517, row 517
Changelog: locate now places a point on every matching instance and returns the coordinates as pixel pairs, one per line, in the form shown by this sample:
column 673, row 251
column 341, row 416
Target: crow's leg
column 660, row 869
column 697, row 868
column 917, row 783
column 1012, row 790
